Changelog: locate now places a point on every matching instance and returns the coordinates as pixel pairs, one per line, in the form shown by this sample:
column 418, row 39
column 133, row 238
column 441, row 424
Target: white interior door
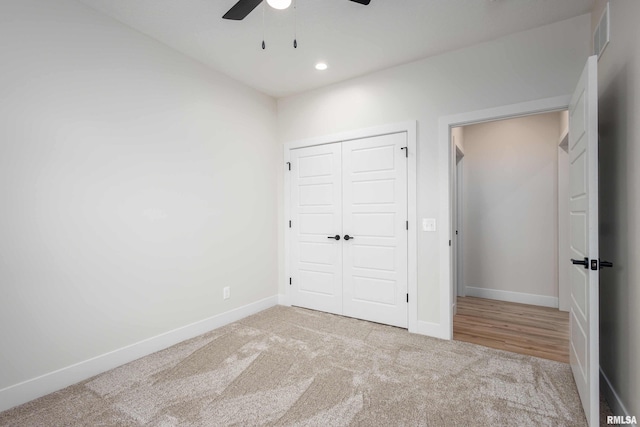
column 583, row 239
column 316, row 216
column 375, row 219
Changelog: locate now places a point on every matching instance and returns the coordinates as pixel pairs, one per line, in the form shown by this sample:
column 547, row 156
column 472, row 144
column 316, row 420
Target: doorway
column 583, row 236
column 505, row 246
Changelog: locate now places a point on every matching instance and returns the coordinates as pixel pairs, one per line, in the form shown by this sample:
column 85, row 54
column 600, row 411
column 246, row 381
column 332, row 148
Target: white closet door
column 316, row 207
column 375, row 215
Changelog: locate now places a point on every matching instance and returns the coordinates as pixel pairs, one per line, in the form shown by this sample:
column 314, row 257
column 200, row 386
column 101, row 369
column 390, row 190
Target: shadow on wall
column 614, row 227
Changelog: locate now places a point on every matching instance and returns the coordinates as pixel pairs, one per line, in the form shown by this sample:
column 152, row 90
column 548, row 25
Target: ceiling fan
column 244, row 7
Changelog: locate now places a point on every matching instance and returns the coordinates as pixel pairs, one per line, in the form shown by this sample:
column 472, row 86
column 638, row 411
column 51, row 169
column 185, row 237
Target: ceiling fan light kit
column 279, row 4
column 242, row 8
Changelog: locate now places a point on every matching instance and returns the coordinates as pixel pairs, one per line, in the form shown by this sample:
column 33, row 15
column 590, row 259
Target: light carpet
column 296, row 367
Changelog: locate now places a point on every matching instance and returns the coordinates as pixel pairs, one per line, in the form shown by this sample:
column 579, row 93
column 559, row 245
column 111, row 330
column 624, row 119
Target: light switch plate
column 428, row 224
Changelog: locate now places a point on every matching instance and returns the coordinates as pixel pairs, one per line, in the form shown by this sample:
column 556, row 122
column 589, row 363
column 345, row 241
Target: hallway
column 519, row 328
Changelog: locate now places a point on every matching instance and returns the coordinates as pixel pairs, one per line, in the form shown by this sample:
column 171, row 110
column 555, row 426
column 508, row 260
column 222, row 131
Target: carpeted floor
column 296, row 367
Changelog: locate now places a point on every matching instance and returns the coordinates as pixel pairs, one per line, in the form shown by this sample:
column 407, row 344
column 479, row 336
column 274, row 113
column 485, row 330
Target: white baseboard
column 430, row 329
column 48, row 383
column 519, row 297
column 612, row 398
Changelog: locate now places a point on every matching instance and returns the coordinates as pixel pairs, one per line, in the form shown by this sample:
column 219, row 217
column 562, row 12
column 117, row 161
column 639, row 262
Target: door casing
column 459, row 288
column 410, row 128
column 445, row 175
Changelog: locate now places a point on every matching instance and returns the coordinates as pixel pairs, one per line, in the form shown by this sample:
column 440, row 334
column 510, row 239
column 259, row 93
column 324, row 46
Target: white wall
column 135, row 184
column 535, row 64
column 510, row 209
column 619, row 128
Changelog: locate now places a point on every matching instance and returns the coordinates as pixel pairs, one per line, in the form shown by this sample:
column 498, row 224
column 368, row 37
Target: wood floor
column 519, row 328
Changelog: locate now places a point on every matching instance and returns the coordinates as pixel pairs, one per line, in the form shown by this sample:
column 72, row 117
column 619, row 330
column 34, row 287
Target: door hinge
column 289, row 223
column 406, row 151
column 449, row 242
column 594, row 264
column 289, row 280
column 407, row 297
column 407, row 225
column 289, row 165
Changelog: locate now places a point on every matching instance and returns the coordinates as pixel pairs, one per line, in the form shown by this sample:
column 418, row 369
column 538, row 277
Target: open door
column 583, row 239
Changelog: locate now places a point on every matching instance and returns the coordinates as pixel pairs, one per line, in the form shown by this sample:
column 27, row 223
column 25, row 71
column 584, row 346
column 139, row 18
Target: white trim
column 445, row 124
column 598, row 31
column 563, row 141
column 460, row 291
column 48, row 383
column 610, row 395
column 430, row 329
column 410, row 127
column 285, row 220
column 519, row 297
column 412, row 209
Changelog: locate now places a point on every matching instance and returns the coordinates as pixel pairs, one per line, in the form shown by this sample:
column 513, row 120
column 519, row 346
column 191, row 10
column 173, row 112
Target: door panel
column 375, row 213
column 316, row 213
column 374, row 192
column 368, row 159
column 374, row 224
column 583, row 239
column 373, row 257
column 367, row 289
column 316, row 195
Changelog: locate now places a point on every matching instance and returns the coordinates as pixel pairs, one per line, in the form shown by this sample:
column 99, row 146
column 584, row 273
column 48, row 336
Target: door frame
column 459, row 288
column 456, row 211
column 408, row 127
column 447, row 168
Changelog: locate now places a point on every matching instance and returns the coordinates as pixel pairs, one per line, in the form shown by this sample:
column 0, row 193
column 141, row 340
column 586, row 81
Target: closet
column 348, row 228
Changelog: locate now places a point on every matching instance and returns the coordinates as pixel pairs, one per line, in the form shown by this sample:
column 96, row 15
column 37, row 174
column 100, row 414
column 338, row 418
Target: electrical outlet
column 226, row 292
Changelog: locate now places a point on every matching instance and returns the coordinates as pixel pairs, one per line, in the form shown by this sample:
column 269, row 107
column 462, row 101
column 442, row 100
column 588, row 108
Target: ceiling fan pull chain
column 295, row 24
column 264, row 46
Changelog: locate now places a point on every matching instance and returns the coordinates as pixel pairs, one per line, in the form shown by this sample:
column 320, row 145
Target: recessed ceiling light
column 279, row 4
column 321, row 66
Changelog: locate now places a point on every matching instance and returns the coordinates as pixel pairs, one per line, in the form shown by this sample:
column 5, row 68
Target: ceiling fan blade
column 364, row 2
column 240, row 10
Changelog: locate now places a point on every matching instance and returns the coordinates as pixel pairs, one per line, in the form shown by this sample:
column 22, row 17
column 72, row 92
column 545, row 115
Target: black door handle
column 604, row 264
column 337, row 237
column 347, row 237
column 584, row 262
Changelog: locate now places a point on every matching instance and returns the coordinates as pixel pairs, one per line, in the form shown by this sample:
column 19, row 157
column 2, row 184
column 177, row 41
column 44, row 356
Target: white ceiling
column 352, row 39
